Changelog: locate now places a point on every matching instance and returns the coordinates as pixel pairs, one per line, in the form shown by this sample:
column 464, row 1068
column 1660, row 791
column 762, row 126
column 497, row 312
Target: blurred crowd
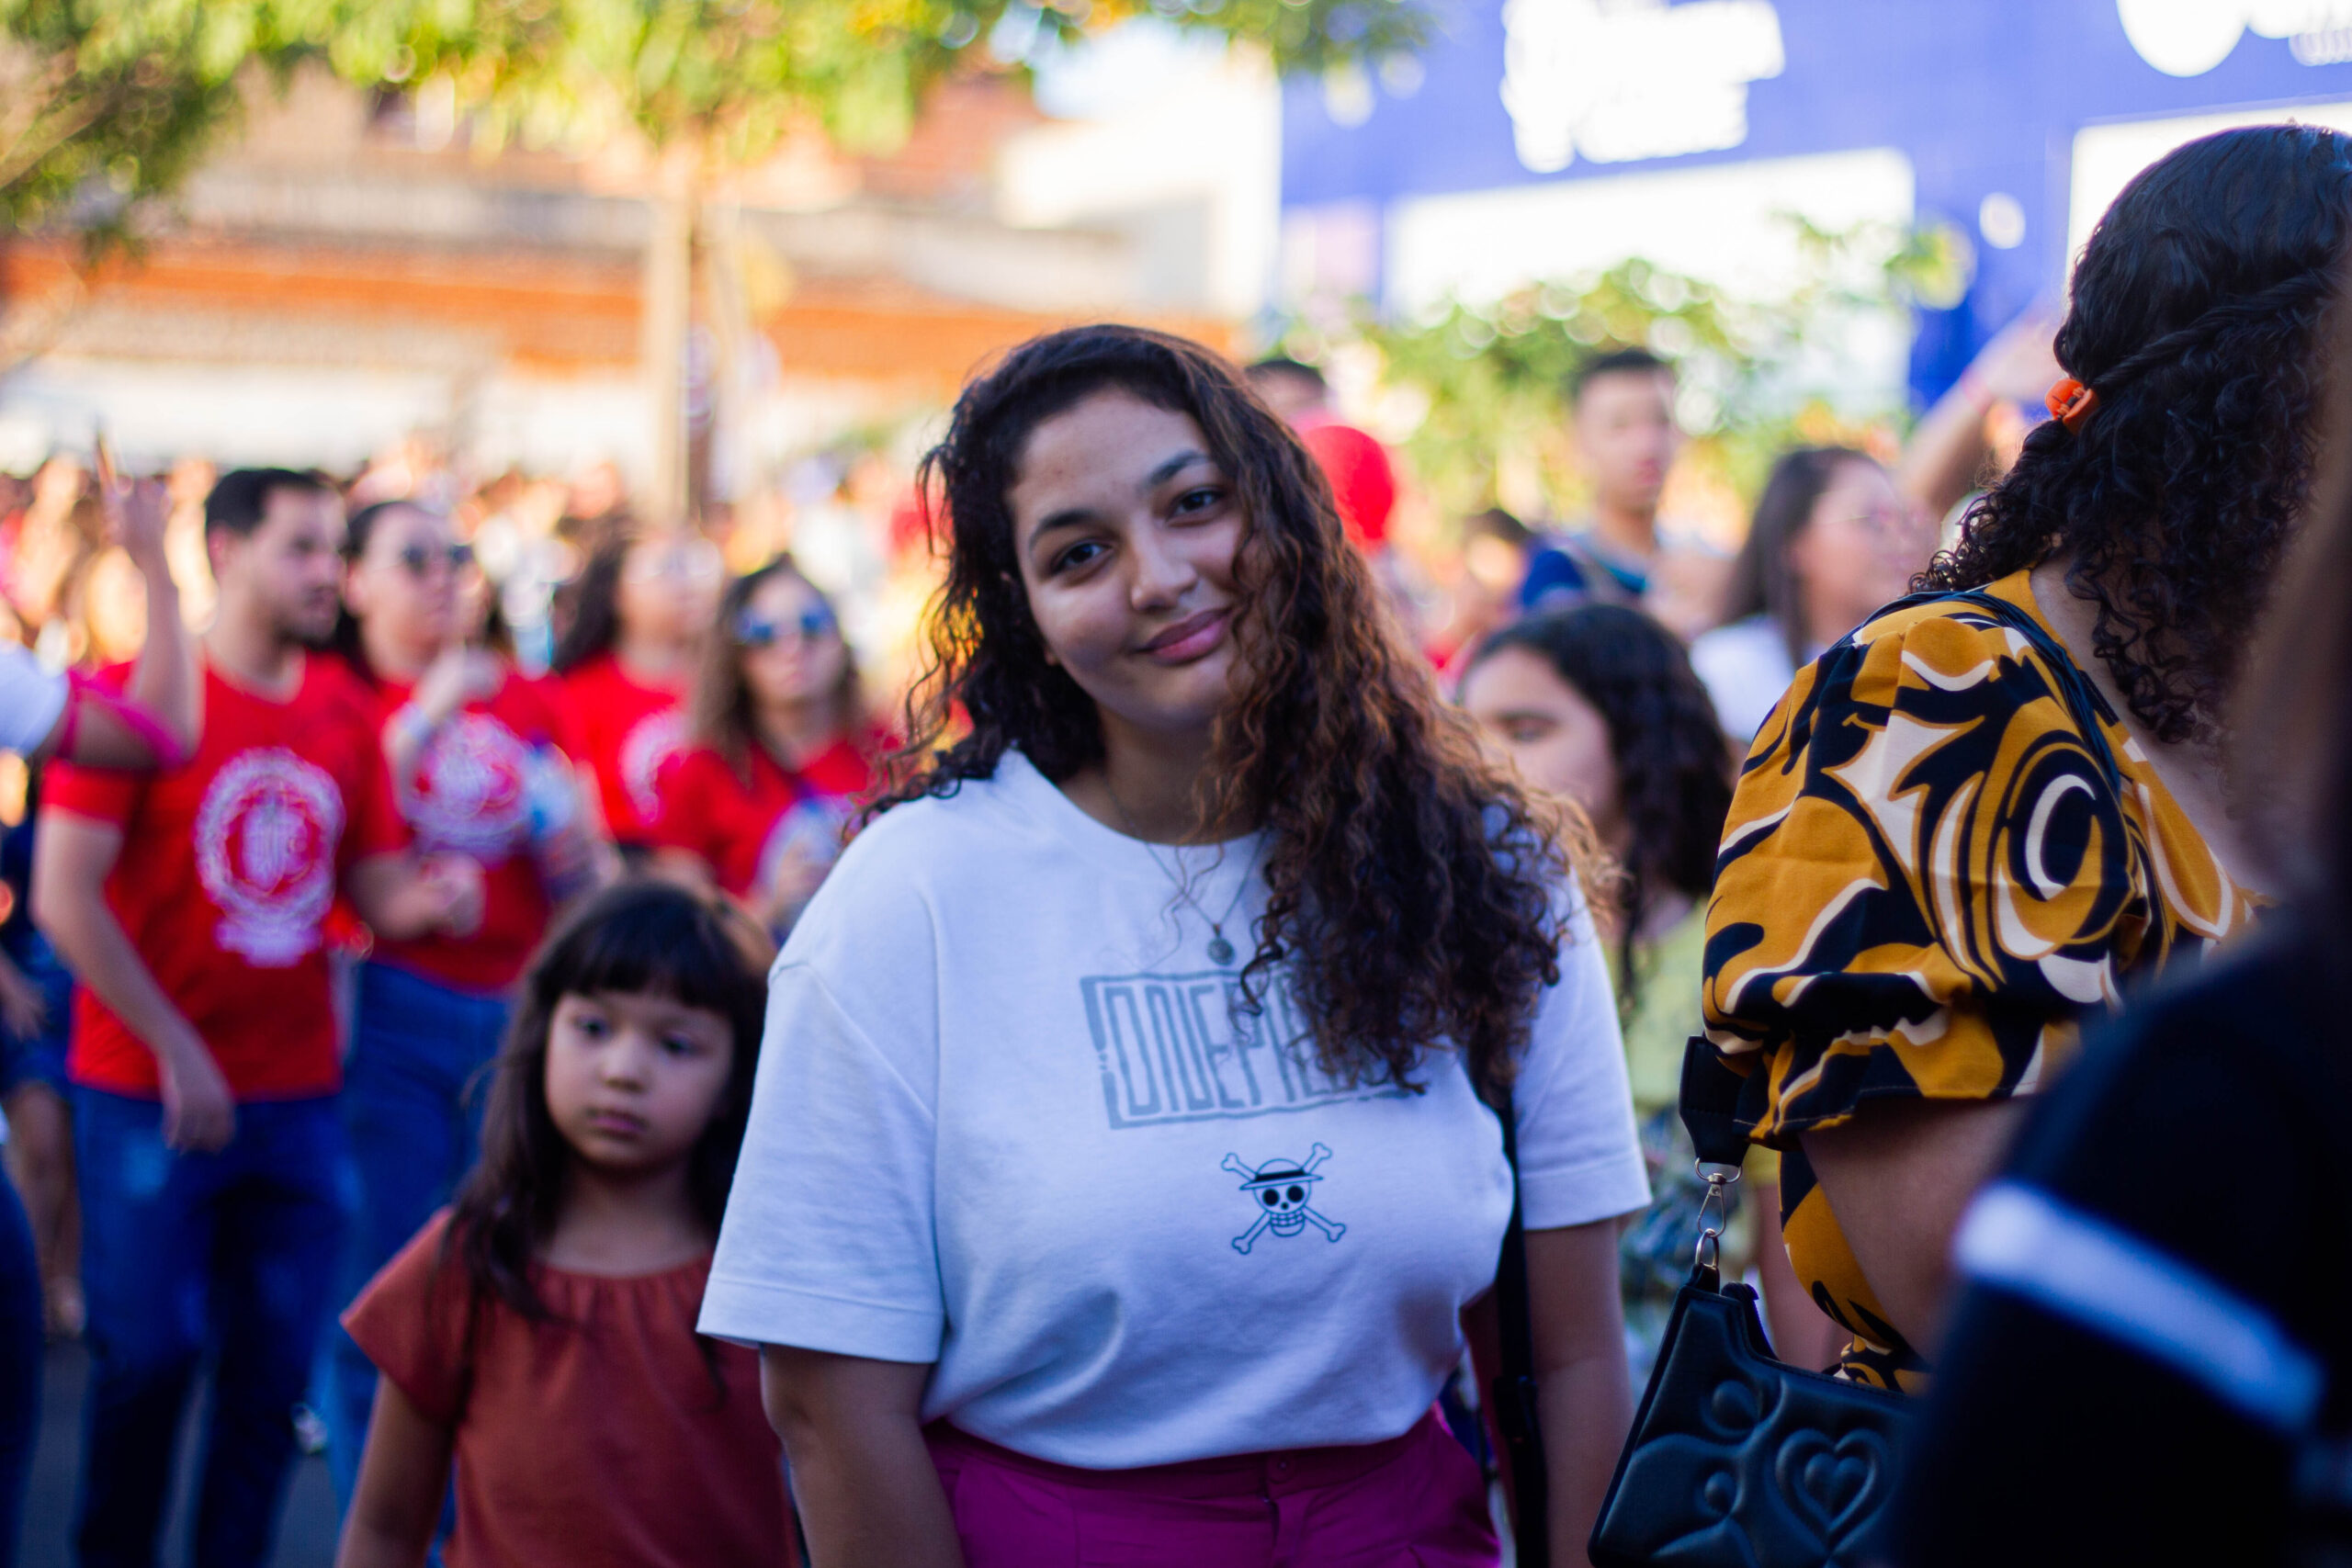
column 653, row 658
column 497, row 781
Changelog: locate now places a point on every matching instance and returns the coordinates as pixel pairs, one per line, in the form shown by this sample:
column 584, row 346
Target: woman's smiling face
column 1127, row 533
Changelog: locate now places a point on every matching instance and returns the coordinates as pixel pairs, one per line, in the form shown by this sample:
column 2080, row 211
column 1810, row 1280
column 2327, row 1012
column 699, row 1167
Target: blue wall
column 1982, row 95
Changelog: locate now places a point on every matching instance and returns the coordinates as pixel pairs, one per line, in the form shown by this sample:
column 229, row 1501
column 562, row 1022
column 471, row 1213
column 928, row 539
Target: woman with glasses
column 781, row 751
column 474, row 746
column 1831, row 541
column 632, row 626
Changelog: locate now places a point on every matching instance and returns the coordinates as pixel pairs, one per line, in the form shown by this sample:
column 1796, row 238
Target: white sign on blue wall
column 1984, row 105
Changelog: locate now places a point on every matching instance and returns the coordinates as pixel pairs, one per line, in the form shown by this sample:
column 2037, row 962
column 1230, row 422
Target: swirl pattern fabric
column 1945, row 846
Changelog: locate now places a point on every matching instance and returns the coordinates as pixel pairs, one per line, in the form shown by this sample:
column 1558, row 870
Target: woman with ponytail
column 1997, row 805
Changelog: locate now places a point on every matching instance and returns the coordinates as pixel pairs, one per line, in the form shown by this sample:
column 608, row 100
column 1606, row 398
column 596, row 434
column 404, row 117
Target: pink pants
column 1416, row 1501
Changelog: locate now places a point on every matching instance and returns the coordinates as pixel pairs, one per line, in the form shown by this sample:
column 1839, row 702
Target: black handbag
column 1737, row 1460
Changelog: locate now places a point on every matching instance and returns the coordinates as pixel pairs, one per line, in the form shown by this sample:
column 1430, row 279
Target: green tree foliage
column 102, row 105
column 735, row 76
column 1493, row 377
column 106, row 103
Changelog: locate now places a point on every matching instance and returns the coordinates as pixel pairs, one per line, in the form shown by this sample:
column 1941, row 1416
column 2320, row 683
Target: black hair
column 1614, row 362
column 1276, row 366
column 1495, row 522
column 2196, row 316
column 637, row 938
column 588, row 616
column 1761, row 582
column 240, row 497
column 1674, row 768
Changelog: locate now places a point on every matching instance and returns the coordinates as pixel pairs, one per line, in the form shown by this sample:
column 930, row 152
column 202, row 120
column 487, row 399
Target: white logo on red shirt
column 266, row 836
column 469, row 789
column 651, row 742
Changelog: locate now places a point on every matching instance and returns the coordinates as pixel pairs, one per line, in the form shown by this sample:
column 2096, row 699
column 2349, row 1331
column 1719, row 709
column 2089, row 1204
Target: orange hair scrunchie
column 2070, row 402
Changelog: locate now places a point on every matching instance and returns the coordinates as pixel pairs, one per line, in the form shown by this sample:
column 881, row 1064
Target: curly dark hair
column 1412, row 883
column 637, row 937
column 2196, row 320
column 1674, row 767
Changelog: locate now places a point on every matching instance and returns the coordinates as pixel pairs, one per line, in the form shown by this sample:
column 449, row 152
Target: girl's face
column 788, row 643
column 1557, row 739
column 405, row 584
column 670, row 585
column 1127, row 534
column 1857, row 548
column 632, row 1080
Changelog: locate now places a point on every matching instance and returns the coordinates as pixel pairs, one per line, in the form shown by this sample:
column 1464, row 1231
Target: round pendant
column 1220, row 950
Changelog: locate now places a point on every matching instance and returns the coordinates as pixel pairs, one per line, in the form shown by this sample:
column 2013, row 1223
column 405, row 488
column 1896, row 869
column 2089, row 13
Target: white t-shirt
column 1746, row 668
column 1008, row 1120
column 31, row 699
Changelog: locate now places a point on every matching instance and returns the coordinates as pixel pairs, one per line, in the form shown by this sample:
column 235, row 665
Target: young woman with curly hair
column 1995, row 807
column 1600, row 706
column 1116, row 1179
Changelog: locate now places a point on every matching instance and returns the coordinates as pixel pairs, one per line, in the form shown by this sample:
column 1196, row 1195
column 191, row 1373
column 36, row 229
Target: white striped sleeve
column 2083, row 1270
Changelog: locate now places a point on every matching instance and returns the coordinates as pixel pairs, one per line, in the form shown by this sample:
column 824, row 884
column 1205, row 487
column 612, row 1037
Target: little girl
column 540, row 1332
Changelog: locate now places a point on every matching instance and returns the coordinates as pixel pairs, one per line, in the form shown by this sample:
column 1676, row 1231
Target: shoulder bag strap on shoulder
column 2082, row 698
column 1512, row 1396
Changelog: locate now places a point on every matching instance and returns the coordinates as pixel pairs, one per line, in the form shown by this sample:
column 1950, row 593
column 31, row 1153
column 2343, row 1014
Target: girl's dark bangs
column 663, row 947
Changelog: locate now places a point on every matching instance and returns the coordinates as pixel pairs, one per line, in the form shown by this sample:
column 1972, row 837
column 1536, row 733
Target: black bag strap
column 1711, row 1092
column 2075, row 688
column 1512, row 1396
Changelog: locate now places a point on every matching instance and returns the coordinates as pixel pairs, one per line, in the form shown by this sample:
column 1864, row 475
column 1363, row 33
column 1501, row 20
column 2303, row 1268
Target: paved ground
column 306, row 1538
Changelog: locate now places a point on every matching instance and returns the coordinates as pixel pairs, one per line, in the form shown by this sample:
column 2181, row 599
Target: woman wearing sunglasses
column 781, row 750
column 474, row 753
column 633, row 624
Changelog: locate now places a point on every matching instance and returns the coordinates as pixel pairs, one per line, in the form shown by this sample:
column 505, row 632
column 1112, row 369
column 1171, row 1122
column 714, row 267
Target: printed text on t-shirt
column 1188, row 1048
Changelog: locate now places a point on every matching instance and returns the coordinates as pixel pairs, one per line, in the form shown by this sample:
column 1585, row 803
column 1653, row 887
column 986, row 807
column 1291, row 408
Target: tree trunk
column 669, row 315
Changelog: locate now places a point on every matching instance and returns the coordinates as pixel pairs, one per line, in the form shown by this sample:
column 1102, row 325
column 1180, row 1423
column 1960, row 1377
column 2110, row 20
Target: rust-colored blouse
column 600, row 1439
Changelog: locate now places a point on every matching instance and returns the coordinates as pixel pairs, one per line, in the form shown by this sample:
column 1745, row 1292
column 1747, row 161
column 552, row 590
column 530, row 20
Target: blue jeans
column 40, row 1058
column 411, row 1098
column 20, row 1357
column 231, row 1253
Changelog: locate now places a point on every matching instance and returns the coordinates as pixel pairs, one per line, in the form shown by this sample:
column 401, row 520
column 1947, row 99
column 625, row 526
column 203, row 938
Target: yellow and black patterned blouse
column 1929, row 872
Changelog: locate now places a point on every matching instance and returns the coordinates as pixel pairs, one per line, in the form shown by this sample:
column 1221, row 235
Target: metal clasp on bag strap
column 1714, row 1216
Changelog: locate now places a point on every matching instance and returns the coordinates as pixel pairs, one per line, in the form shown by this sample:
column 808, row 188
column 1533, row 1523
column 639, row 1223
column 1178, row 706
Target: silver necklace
column 1220, row 950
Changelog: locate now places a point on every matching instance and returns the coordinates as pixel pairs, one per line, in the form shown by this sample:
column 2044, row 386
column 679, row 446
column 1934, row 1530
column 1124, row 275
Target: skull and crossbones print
column 1280, row 1187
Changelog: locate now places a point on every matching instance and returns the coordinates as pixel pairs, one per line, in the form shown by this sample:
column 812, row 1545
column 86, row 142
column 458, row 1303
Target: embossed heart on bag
column 1836, row 1487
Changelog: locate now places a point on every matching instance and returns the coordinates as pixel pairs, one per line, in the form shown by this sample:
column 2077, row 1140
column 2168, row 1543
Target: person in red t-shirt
column 190, row 905
column 537, row 1338
column 780, row 756
column 476, row 768
column 1363, row 478
column 635, row 620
